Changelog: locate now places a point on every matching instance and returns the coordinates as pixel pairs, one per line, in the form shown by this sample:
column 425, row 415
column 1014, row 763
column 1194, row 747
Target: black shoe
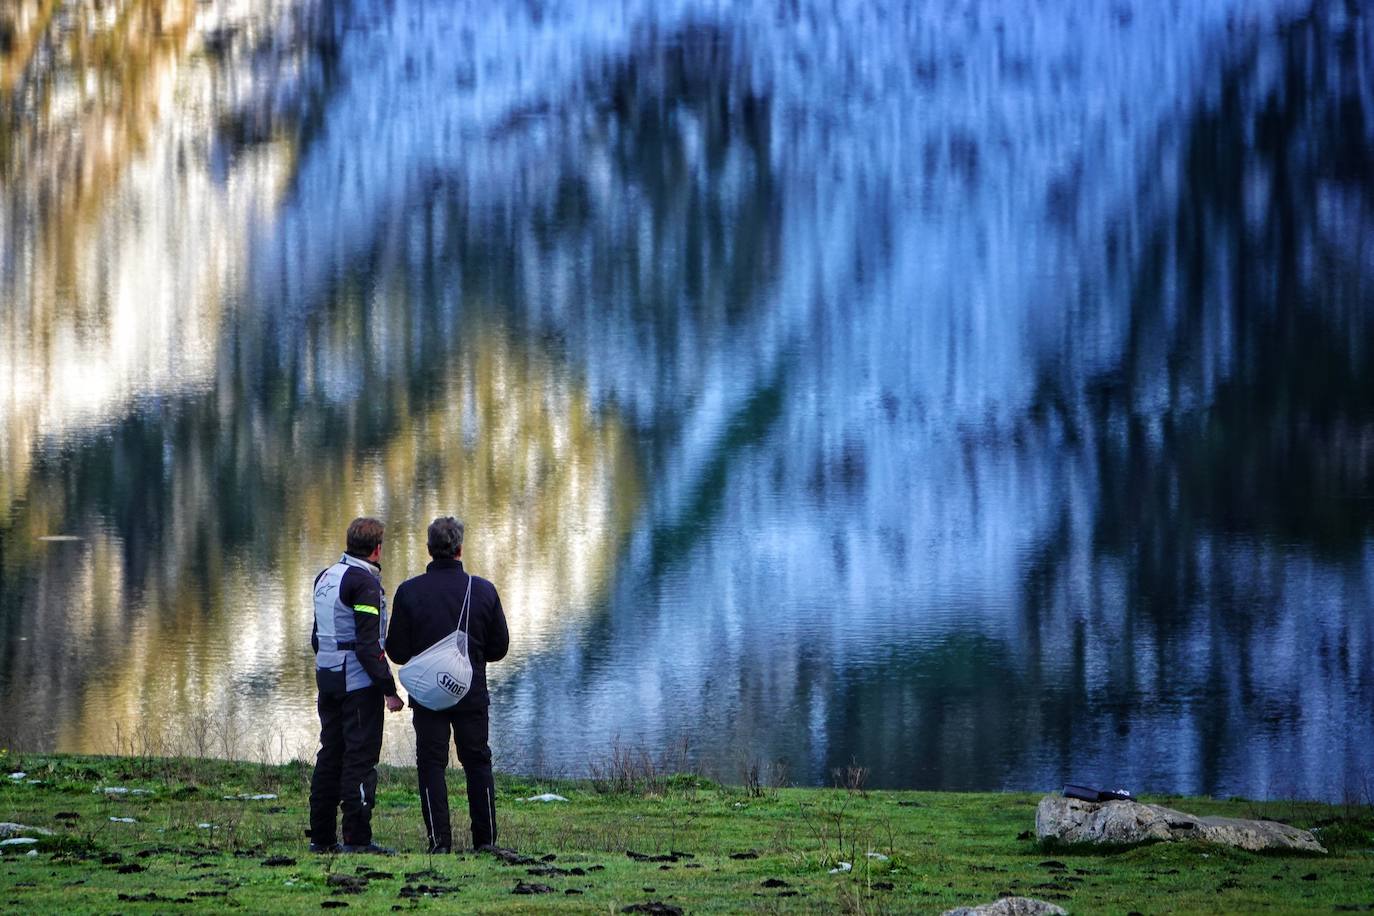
column 370, row 848
column 326, row 848
column 440, row 849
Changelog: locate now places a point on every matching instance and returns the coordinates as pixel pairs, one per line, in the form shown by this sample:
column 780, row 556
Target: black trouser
column 469, row 730
column 346, row 767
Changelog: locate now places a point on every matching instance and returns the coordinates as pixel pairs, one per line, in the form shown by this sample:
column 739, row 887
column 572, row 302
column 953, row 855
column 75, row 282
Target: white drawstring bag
column 440, row 676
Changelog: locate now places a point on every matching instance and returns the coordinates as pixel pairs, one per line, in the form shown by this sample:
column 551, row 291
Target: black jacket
column 426, row 609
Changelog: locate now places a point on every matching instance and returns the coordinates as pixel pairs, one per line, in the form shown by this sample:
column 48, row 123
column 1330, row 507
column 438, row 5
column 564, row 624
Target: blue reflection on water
column 997, row 381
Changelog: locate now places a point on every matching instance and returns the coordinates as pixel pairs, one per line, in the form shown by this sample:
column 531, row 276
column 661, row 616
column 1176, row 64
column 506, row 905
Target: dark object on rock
column 775, row 882
column 653, row 908
column 740, row 856
column 1084, row 793
column 132, row 868
column 278, row 861
column 522, row 888
column 509, row 856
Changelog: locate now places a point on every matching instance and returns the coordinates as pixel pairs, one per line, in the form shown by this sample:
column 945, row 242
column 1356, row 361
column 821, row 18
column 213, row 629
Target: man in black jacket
column 426, row 610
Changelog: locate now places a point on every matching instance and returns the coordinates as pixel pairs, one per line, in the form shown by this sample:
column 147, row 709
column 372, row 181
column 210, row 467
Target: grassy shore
column 680, row 841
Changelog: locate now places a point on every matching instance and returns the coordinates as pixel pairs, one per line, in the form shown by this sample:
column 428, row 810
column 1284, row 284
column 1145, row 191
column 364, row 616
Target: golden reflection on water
column 120, row 243
column 124, row 252
column 219, row 634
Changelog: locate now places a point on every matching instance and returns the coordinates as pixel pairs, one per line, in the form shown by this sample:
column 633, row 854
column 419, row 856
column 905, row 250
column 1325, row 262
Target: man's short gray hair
column 445, row 537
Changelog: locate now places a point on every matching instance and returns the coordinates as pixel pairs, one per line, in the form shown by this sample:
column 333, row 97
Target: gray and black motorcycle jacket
column 350, row 626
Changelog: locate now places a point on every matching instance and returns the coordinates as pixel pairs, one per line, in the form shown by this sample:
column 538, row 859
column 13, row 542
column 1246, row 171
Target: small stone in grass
column 775, row 882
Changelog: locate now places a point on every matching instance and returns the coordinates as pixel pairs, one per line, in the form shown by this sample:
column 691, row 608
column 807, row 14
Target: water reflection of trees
column 1173, row 512
column 856, row 531
column 1205, row 625
column 397, row 392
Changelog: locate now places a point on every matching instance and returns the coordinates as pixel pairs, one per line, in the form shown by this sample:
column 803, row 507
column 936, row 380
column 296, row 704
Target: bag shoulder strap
column 466, row 612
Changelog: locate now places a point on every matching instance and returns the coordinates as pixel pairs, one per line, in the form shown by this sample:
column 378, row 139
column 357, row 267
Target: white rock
column 32, row 853
column 123, row 820
column 876, row 856
column 9, row 829
column 546, row 797
column 1010, row 906
column 18, row 776
column 18, row 841
column 843, row 867
column 1069, row 820
column 246, row 797
column 113, row 790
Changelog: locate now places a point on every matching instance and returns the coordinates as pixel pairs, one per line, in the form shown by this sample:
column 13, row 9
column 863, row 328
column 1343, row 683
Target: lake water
column 980, row 394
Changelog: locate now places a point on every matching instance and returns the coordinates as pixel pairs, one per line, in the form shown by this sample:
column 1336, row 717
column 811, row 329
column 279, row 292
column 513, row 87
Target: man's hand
column 394, row 704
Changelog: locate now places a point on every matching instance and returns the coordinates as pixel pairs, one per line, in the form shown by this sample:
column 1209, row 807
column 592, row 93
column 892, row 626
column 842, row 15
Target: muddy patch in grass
column 523, row 888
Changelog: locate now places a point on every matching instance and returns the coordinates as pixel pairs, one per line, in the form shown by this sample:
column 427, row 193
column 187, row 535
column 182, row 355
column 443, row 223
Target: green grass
column 942, row 850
